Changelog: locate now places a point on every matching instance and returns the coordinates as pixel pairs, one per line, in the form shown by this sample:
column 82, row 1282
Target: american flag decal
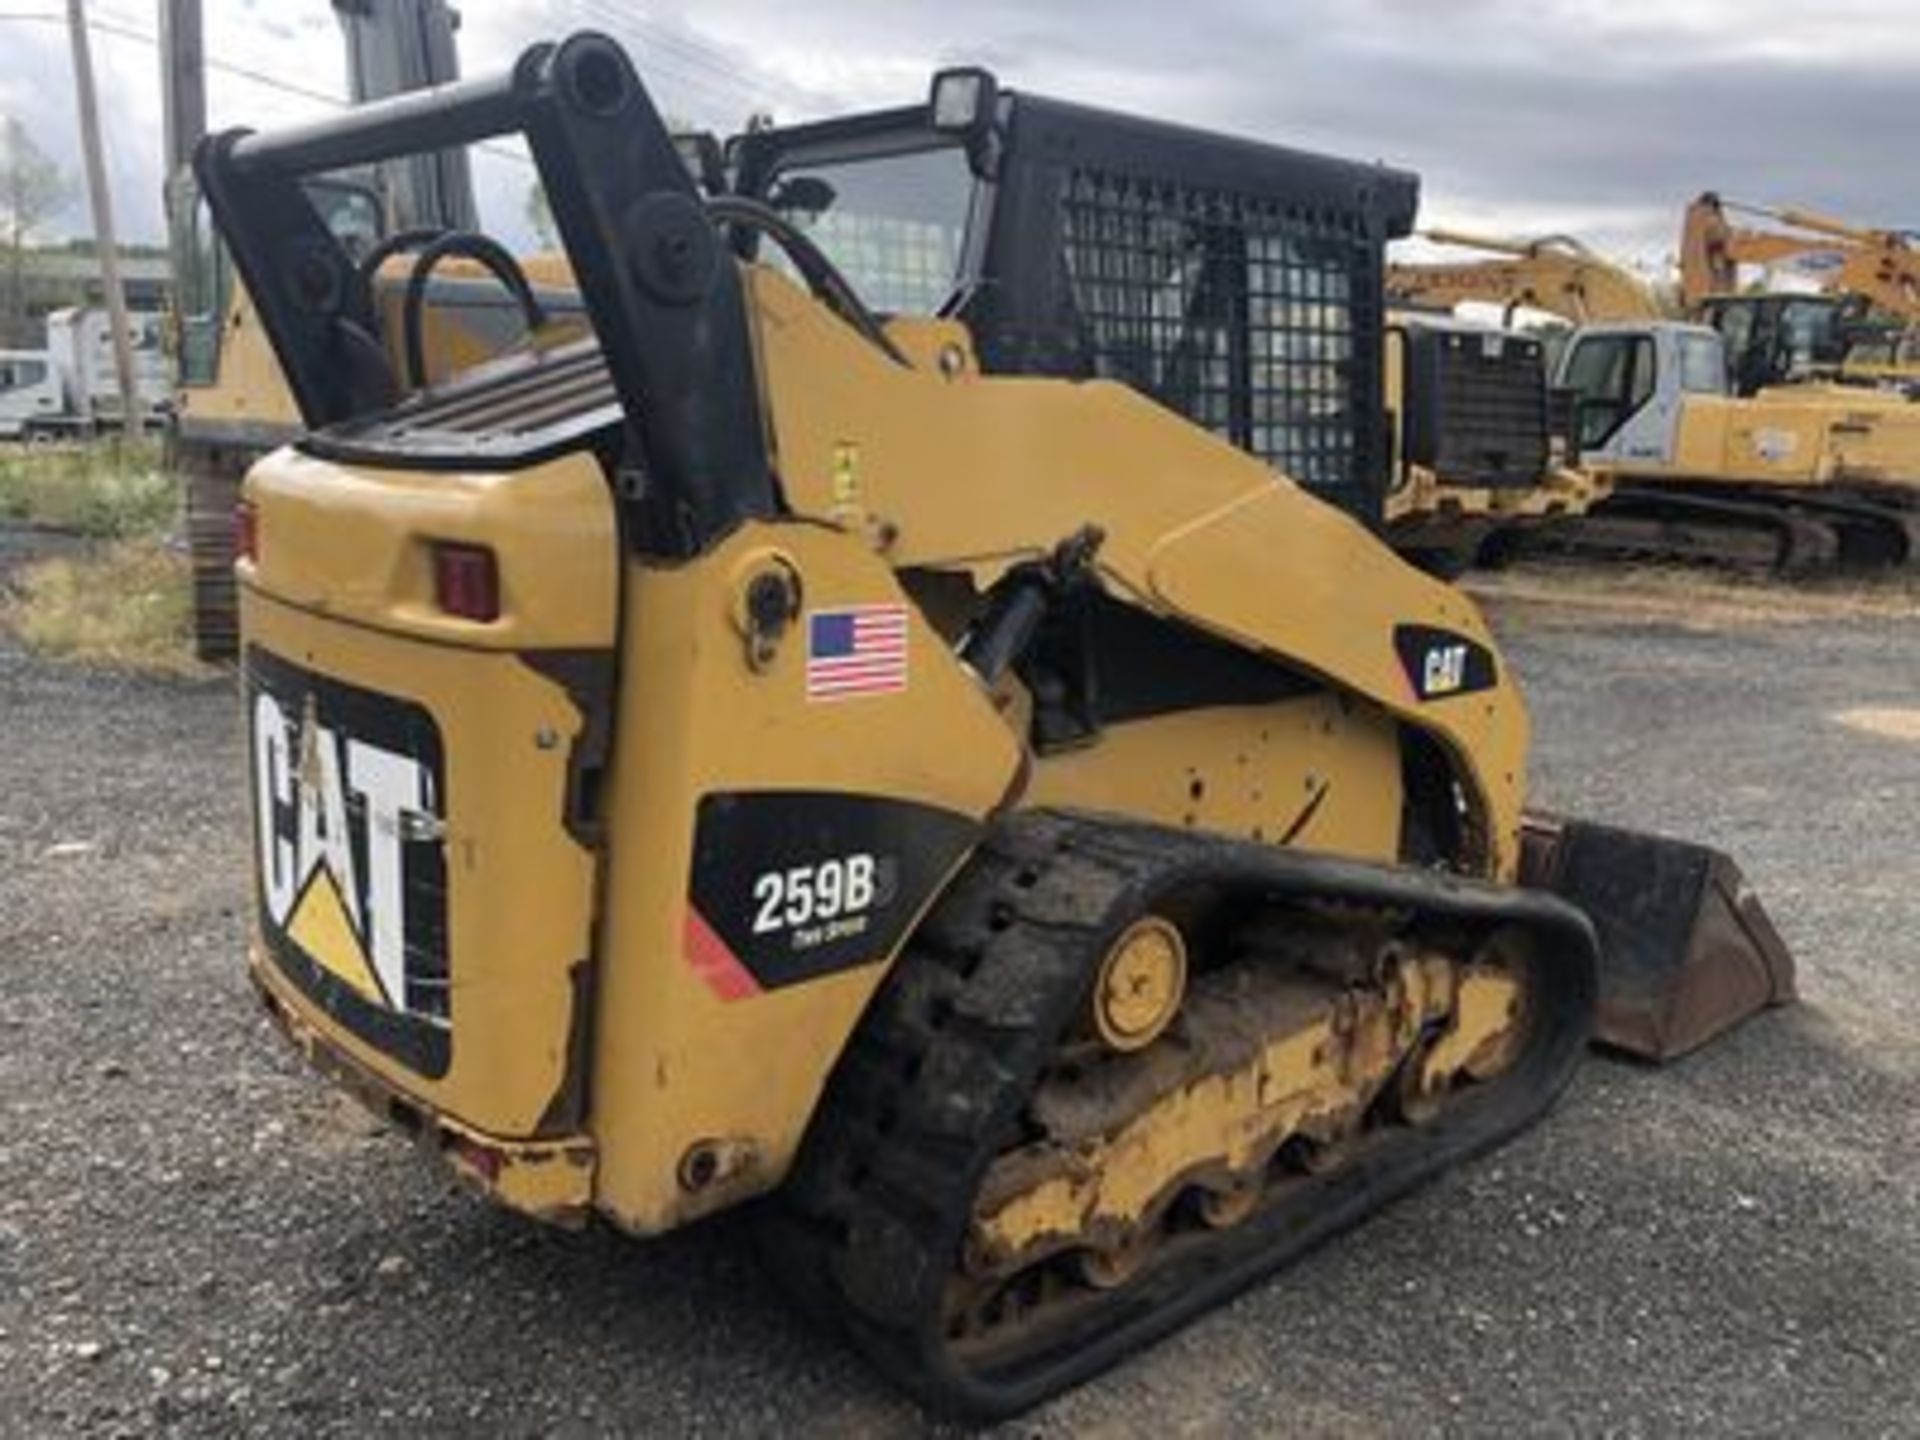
column 861, row 650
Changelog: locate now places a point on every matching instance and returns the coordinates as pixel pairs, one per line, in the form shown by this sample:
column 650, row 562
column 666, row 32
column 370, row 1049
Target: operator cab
column 1628, row 383
column 1238, row 283
column 1775, row 339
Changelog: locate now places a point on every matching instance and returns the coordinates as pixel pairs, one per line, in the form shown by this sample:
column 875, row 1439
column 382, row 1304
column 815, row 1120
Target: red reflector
column 466, row 582
column 246, row 531
column 483, row 1160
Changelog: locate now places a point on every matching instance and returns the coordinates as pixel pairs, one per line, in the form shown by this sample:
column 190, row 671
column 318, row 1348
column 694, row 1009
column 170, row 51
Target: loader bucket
column 1686, row 951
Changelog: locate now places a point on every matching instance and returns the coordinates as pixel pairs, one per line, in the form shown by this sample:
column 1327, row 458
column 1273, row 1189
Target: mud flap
column 1686, row 950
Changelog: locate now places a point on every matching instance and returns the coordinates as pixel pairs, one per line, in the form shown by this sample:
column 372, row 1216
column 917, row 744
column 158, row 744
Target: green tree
column 32, row 188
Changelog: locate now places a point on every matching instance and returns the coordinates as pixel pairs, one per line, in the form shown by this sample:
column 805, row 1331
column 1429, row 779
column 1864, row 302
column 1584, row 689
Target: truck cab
column 70, row 388
column 29, row 390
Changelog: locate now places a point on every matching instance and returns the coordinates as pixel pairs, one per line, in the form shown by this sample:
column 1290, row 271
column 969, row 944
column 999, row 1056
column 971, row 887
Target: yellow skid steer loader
column 748, row 751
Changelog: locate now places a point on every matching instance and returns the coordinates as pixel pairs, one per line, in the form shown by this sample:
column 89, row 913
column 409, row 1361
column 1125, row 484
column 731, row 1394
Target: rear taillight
column 466, row 581
column 485, row 1161
column 246, row 532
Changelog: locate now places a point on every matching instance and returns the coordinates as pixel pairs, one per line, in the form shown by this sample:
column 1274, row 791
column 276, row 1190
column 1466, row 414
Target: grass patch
column 127, row 602
column 108, row 490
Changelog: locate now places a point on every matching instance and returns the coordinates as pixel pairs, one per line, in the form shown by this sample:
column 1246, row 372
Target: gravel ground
column 196, row 1235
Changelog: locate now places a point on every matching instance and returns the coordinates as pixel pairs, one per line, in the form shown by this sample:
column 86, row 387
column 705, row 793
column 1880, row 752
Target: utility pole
column 183, row 75
column 183, row 90
column 104, row 237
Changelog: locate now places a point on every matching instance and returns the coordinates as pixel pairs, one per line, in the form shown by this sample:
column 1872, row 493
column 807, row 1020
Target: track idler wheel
column 1140, row 986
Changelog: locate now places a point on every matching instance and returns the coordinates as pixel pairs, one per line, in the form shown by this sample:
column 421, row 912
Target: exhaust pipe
column 1686, row 949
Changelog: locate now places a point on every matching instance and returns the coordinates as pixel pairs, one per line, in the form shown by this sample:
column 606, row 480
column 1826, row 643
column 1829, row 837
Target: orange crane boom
column 1880, row 266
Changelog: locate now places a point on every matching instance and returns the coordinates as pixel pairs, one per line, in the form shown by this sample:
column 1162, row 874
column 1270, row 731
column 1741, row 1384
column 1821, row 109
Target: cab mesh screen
column 1233, row 311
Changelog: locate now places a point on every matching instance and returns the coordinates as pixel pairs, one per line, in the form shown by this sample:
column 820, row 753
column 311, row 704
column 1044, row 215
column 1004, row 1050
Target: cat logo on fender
column 1440, row 664
column 347, row 826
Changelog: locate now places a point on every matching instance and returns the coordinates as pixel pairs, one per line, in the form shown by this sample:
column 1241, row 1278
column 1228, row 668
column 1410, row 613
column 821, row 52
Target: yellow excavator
column 1713, row 450
column 1772, row 337
column 1556, row 274
column 1861, row 325
column 750, row 749
column 1880, row 266
column 231, row 404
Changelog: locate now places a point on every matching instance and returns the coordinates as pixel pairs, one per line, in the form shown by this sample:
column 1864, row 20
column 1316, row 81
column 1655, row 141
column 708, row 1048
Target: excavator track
column 997, row 1199
column 1795, row 534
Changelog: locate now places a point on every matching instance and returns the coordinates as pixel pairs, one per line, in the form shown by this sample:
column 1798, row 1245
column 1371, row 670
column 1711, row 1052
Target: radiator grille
column 1492, row 425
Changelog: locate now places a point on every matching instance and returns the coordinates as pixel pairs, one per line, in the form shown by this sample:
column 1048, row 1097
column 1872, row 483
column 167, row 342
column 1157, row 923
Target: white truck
column 69, row 390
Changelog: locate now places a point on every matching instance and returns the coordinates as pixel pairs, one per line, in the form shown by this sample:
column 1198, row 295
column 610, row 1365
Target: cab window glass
column 895, row 225
column 1703, row 365
column 16, row 374
column 1235, row 314
column 351, row 212
column 1810, row 332
column 1600, row 367
column 1735, row 323
column 1611, row 377
column 1640, row 386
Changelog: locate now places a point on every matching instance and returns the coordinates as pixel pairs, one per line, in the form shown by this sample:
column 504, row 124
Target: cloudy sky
column 1596, row 117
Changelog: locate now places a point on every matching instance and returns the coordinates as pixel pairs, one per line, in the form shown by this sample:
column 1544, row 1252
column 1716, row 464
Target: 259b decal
column 347, row 796
column 821, row 901
column 790, row 885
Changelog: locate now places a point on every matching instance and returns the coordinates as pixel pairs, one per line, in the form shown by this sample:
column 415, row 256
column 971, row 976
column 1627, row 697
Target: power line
column 124, row 31
column 692, row 61
column 686, row 62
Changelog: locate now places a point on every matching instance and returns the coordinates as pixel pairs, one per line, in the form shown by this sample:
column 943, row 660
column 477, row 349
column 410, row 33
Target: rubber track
column 933, row 1085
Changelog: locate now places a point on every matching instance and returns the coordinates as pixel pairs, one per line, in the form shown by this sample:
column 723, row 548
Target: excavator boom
column 1553, row 273
column 1882, row 267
